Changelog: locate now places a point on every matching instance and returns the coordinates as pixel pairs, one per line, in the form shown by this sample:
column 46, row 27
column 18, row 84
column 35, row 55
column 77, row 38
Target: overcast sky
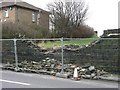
column 103, row 14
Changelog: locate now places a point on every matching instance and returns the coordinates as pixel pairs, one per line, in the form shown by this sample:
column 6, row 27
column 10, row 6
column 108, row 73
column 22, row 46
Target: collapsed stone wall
column 102, row 53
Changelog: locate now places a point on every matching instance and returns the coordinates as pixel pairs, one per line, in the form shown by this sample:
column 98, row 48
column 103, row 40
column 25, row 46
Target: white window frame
column 33, row 17
column 6, row 13
column 51, row 25
column 38, row 18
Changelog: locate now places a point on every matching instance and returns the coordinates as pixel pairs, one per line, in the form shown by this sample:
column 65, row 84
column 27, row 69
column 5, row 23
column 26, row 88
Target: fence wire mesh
column 99, row 52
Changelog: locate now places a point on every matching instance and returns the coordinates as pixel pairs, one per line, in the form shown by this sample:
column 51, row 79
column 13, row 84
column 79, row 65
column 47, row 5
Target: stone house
column 24, row 13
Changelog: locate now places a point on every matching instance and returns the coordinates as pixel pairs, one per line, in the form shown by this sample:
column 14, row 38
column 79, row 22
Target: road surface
column 27, row 80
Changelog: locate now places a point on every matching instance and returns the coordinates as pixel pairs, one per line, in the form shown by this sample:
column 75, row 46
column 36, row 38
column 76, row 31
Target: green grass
column 50, row 44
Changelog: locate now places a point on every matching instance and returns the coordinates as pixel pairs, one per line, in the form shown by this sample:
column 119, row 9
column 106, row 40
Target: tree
column 67, row 17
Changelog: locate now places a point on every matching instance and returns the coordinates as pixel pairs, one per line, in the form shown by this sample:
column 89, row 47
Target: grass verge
column 50, row 44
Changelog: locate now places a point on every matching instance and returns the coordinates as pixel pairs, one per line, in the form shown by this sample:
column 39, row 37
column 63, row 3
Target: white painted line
column 15, row 82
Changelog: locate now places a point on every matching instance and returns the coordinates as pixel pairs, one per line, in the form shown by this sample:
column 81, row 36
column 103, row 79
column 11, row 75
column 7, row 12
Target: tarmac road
column 27, row 80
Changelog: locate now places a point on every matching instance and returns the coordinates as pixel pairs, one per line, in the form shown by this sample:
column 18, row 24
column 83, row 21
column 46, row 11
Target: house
column 114, row 33
column 24, row 13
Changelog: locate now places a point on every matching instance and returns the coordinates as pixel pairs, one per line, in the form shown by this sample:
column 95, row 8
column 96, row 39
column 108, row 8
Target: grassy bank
column 50, row 44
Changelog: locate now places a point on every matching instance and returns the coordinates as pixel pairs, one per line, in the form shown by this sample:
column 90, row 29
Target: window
column 6, row 13
column 51, row 25
column 11, row 8
column 33, row 17
column 38, row 19
column 38, row 16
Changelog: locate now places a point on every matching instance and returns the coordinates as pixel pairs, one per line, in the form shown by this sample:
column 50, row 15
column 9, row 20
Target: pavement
column 110, row 78
column 11, row 79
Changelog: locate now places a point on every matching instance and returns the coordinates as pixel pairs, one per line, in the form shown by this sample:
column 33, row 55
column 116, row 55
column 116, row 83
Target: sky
column 102, row 14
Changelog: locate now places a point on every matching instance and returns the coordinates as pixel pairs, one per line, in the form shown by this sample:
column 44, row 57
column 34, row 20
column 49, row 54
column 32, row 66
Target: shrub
column 15, row 30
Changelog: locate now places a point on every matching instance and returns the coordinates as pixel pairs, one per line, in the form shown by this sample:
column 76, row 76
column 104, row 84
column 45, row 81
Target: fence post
column 15, row 50
column 62, row 70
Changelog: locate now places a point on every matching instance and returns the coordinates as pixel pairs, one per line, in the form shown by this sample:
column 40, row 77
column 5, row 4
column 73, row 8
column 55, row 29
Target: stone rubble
column 52, row 67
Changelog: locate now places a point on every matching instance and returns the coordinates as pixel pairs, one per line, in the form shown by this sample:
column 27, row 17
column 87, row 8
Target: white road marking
column 15, row 82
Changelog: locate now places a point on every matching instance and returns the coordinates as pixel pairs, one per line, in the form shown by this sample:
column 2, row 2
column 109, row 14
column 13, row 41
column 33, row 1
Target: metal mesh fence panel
column 102, row 53
column 0, row 63
column 99, row 52
column 8, row 52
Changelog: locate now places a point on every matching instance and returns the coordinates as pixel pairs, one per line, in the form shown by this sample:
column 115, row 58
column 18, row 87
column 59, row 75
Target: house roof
column 20, row 4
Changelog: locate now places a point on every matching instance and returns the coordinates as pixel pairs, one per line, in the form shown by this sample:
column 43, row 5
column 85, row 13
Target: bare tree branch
column 68, row 16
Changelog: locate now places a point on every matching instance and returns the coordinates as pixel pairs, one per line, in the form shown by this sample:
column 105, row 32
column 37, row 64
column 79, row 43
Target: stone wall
column 103, row 53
